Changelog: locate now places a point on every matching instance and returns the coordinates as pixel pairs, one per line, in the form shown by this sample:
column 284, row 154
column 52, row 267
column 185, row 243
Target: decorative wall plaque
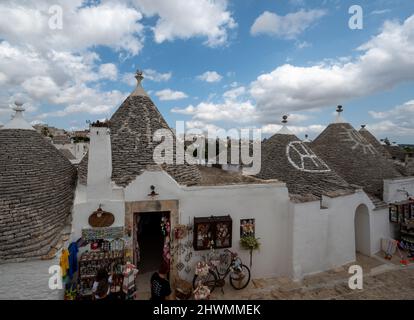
column 101, row 219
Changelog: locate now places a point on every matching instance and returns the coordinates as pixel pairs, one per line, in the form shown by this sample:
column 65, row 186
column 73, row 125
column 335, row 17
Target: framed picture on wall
column 223, row 234
column 247, row 228
column 393, row 213
column 212, row 232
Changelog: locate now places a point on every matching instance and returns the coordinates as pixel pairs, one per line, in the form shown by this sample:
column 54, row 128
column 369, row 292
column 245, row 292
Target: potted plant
column 250, row 243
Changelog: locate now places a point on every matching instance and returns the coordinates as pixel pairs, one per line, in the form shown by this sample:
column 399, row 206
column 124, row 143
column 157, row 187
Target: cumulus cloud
column 156, row 76
column 295, row 129
column 108, row 71
column 398, row 121
column 210, row 76
column 184, row 19
column 289, row 26
column 383, row 62
column 168, row 94
column 109, row 24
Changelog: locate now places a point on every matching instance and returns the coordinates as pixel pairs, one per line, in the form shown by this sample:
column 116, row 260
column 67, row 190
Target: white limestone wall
column 381, row 228
column 28, row 281
column 324, row 237
column 309, row 238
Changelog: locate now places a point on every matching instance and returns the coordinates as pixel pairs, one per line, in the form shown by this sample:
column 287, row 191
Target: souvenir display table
column 91, row 262
column 402, row 213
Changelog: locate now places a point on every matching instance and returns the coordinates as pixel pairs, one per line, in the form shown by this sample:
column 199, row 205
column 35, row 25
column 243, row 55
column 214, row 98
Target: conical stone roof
column 286, row 158
column 355, row 159
column 37, row 186
column 375, row 143
column 132, row 129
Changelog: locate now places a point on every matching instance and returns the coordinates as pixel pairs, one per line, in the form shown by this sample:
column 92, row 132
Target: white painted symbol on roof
column 355, row 137
column 304, row 153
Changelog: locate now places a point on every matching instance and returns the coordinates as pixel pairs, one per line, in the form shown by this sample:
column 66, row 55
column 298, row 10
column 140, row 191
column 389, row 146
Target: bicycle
column 238, row 272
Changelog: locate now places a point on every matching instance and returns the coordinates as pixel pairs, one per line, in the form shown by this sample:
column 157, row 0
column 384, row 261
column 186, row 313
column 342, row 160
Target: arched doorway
column 362, row 230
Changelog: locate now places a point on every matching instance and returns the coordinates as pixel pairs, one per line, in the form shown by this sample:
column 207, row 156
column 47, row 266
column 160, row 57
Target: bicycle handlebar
column 233, row 254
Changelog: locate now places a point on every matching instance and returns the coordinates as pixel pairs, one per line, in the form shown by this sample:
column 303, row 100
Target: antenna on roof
column 339, row 110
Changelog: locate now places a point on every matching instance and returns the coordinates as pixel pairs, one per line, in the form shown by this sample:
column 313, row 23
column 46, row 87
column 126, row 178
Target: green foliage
column 250, row 243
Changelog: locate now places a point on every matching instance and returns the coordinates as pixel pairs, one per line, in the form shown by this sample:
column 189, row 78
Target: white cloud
column 156, row 76
column 397, row 121
column 235, row 93
column 297, row 130
column 184, row 19
column 379, row 12
column 109, row 24
column 210, row 76
column 302, row 44
column 229, row 111
column 384, row 61
column 108, row 71
column 168, row 94
column 289, row 26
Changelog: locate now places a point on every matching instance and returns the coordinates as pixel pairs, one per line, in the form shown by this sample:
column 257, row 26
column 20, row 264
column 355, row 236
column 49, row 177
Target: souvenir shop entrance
column 151, row 236
column 150, row 224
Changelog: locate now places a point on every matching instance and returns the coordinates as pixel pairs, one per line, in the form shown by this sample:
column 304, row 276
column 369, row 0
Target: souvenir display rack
column 402, row 213
column 91, row 261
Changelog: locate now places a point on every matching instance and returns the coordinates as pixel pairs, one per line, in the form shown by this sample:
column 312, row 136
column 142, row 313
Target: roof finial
column 139, row 90
column 18, row 121
column 306, row 138
column 363, row 126
column 139, row 76
column 284, row 129
column 339, row 110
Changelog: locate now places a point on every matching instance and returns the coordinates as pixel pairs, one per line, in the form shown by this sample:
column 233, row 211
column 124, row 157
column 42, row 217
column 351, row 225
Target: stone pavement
column 382, row 280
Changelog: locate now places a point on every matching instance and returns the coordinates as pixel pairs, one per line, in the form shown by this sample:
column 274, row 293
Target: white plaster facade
column 297, row 239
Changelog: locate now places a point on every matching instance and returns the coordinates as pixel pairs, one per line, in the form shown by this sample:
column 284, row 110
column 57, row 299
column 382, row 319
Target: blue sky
column 264, row 58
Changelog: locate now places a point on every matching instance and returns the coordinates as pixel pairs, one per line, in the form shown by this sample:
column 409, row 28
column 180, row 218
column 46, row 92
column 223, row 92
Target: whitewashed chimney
column 99, row 162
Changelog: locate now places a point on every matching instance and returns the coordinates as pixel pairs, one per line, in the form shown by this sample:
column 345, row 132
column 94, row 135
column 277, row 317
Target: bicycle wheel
column 209, row 280
column 240, row 278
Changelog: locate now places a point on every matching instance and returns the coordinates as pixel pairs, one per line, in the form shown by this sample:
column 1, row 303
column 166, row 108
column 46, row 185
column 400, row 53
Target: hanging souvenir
column 180, row 231
column 166, row 253
column 180, row 266
column 165, row 226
